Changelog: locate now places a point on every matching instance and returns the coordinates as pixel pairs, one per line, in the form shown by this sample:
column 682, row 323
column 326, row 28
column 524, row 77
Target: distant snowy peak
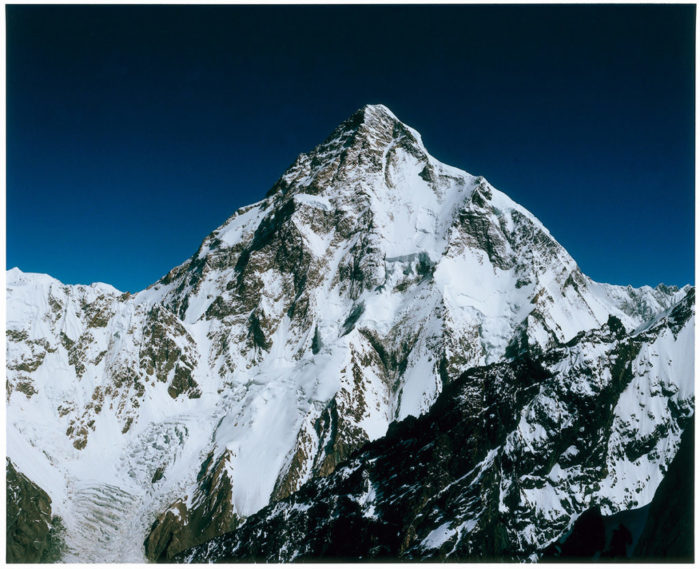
column 15, row 277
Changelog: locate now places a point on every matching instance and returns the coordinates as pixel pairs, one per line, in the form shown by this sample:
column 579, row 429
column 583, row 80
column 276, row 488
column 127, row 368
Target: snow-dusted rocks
column 369, row 278
column 505, row 461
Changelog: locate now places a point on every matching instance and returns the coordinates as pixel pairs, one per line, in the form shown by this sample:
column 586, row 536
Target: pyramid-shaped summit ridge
column 375, row 116
column 378, row 122
column 372, row 128
column 362, row 144
column 378, row 109
column 370, row 115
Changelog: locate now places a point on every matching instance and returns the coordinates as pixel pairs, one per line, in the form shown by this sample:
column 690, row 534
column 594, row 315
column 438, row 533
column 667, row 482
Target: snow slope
column 503, row 464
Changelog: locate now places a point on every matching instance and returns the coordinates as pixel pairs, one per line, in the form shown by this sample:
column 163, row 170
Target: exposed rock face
column 503, row 464
column 669, row 532
column 368, row 278
column 33, row 535
column 186, row 523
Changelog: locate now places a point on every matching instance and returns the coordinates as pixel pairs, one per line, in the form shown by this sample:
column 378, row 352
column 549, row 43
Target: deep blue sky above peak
column 134, row 131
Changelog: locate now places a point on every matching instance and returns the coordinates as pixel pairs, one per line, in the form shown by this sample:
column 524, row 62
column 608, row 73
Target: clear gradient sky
column 133, row 132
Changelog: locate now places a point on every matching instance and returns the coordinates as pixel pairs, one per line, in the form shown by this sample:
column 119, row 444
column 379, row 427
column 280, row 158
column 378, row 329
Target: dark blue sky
column 132, row 132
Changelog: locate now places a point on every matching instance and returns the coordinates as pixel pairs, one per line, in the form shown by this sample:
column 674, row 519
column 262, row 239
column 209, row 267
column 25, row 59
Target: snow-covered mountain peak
column 377, row 121
column 369, row 277
column 16, row 276
column 361, row 147
column 378, row 109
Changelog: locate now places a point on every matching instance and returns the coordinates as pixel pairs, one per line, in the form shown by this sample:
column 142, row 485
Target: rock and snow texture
column 369, row 277
column 506, row 460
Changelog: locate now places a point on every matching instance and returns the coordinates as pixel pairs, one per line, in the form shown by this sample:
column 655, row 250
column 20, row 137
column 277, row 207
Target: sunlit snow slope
column 504, row 462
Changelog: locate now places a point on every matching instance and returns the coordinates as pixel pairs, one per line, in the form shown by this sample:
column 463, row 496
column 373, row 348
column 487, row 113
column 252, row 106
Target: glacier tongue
column 369, row 276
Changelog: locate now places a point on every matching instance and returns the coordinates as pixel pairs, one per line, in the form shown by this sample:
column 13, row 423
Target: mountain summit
column 369, row 278
column 374, row 124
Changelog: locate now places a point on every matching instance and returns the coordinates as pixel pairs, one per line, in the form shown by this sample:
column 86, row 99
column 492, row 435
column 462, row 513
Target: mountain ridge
column 454, row 485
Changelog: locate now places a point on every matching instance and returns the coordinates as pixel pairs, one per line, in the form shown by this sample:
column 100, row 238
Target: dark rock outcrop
column 210, row 514
column 33, row 535
column 668, row 533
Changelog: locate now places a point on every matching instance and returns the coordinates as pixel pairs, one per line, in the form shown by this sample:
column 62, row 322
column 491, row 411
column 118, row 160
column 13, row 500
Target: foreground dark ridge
column 661, row 532
column 452, row 485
